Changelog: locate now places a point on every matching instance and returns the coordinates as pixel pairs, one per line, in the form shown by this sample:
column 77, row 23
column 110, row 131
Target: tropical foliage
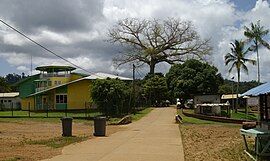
column 256, row 34
column 192, row 78
column 155, row 89
column 111, row 96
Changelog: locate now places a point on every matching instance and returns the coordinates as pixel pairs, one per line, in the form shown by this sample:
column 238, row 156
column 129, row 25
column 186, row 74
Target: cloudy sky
column 77, row 30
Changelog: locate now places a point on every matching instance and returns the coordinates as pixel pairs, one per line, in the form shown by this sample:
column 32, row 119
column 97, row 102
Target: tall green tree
column 4, row 86
column 111, row 96
column 237, row 59
column 256, row 34
column 193, row 78
column 155, row 89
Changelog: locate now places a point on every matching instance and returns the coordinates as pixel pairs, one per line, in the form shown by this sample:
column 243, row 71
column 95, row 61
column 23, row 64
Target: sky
column 78, row 29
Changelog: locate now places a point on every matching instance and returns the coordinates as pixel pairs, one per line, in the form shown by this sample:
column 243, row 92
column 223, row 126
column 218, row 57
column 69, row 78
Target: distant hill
column 226, row 88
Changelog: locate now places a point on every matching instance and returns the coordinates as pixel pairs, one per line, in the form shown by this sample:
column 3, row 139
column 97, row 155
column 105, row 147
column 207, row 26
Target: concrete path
column 154, row 137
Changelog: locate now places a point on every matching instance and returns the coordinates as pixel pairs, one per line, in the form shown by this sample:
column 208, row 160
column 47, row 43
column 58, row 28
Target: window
column 9, row 100
column 61, row 98
column 59, row 82
column 55, row 82
column 49, row 83
column 1, row 101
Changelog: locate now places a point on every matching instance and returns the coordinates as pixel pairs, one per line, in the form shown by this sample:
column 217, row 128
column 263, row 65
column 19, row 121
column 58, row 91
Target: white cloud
column 23, row 68
column 13, row 39
column 215, row 19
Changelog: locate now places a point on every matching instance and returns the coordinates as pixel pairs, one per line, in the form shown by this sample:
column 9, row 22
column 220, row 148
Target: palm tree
column 237, row 59
column 256, row 34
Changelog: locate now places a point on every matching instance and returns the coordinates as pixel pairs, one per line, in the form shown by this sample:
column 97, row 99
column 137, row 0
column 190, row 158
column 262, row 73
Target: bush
column 156, row 90
column 111, row 96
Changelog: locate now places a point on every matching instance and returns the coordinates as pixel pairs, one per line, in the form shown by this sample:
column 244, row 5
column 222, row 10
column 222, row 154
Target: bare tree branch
column 152, row 42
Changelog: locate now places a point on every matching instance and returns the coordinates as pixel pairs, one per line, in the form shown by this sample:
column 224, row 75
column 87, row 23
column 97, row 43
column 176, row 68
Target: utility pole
column 133, row 90
column 31, row 65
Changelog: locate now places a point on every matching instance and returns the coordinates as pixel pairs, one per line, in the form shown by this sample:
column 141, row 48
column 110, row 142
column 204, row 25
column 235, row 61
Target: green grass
column 135, row 117
column 58, row 142
column 138, row 115
column 13, row 159
column 193, row 120
column 241, row 115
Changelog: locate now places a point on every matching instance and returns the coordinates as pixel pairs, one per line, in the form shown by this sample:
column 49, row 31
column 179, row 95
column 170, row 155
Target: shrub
column 111, row 96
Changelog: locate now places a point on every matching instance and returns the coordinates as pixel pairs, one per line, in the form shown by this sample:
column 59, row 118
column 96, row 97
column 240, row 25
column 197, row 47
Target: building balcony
column 49, row 75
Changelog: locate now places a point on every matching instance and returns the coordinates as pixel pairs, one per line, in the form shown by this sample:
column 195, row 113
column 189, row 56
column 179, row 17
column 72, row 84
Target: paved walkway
column 154, row 137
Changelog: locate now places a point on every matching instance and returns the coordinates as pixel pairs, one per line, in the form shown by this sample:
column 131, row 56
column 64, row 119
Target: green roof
column 55, row 68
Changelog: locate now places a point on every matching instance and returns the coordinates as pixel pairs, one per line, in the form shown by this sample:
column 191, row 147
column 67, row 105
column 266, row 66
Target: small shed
column 232, row 99
column 263, row 92
column 262, row 132
column 9, row 101
column 201, row 99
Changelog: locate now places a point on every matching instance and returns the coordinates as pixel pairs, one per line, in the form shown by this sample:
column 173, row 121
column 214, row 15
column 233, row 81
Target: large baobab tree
column 153, row 41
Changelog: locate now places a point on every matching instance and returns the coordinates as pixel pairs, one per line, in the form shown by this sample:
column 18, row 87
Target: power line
column 43, row 47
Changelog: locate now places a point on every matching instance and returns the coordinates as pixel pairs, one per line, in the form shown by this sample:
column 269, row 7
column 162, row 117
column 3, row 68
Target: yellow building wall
column 62, row 79
column 25, row 103
column 78, row 93
column 74, row 77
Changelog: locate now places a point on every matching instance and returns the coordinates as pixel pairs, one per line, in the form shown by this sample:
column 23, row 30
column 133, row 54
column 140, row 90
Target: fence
column 87, row 113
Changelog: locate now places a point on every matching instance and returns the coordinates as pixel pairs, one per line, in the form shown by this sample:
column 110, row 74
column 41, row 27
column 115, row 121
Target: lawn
column 211, row 141
column 239, row 115
column 135, row 117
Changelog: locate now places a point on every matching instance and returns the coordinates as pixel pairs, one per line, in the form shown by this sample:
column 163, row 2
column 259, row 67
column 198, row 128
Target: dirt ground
column 14, row 137
column 212, row 143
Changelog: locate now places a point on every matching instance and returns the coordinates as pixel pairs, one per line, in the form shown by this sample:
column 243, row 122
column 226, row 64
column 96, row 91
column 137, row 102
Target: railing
column 48, row 75
column 41, row 89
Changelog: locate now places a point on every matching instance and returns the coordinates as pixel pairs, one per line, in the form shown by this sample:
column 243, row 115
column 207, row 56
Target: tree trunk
column 237, row 90
column 152, row 67
column 258, row 63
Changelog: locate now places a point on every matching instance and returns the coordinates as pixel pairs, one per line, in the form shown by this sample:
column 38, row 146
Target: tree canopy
column 256, row 33
column 153, row 41
column 193, row 77
column 4, row 86
column 155, row 89
column 237, row 59
column 111, row 96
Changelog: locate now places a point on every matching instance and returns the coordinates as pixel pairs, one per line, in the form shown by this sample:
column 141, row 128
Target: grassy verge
column 59, row 141
column 138, row 115
column 193, row 120
column 135, row 117
column 239, row 115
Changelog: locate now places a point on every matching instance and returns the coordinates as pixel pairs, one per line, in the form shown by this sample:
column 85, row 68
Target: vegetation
column 155, row 89
column 237, row 59
column 193, row 77
column 59, row 141
column 4, row 86
column 256, row 34
column 229, row 86
column 151, row 42
column 112, row 97
column 139, row 114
